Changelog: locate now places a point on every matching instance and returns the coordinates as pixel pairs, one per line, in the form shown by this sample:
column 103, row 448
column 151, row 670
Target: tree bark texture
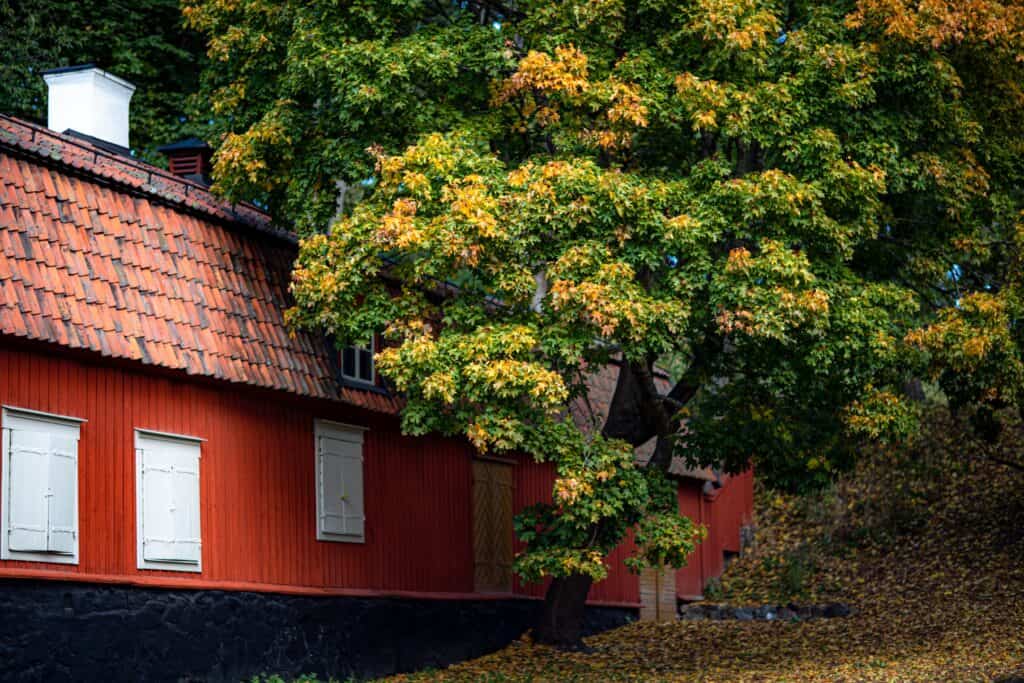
column 562, row 616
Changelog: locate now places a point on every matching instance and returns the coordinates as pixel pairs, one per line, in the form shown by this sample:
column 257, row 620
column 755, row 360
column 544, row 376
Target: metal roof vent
column 90, row 102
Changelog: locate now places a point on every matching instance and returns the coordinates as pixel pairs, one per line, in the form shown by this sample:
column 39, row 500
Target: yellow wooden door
column 492, row 526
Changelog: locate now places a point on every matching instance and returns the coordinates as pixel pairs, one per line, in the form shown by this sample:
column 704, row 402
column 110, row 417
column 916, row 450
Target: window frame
column 356, row 379
column 320, row 427
column 165, row 565
column 18, row 414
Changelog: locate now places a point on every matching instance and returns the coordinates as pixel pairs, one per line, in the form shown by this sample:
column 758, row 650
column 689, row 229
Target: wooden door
column 658, row 594
column 492, row 526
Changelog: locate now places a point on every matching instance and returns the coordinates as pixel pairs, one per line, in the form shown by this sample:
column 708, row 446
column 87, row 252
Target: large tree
column 783, row 195
column 143, row 41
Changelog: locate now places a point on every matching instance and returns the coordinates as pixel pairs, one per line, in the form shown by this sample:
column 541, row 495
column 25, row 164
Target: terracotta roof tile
column 109, row 254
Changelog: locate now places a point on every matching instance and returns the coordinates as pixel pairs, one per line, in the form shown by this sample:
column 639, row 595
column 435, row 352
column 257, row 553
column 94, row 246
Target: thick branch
column 683, row 392
column 678, row 405
column 629, row 416
column 639, row 411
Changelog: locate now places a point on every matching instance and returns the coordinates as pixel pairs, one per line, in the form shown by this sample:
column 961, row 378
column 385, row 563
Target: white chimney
column 90, row 101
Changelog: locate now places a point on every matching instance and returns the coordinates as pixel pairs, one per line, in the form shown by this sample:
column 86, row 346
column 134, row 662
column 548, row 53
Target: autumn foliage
column 804, row 205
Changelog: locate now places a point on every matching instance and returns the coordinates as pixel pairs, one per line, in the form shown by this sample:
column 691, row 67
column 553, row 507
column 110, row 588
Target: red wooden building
column 166, row 437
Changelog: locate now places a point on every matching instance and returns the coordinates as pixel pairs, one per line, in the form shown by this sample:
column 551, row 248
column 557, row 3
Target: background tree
column 809, row 202
column 142, row 41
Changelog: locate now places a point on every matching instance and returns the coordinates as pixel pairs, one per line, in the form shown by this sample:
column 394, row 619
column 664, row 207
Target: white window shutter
column 63, row 494
column 340, row 500
column 170, row 501
column 332, row 513
column 186, row 514
column 157, row 504
column 28, row 490
column 40, row 491
column 352, row 489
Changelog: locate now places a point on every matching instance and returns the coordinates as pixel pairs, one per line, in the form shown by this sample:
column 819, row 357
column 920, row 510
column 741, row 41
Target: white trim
column 168, row 436
column 13, row 415
column 95, row 70
column 372, row 348
column 141, row 561
column 48, row 417
column 341, row 432
column 341, row 428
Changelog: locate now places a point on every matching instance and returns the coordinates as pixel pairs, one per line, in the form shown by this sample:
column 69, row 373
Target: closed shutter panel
column 170, row 501
column 340, row 483
column 29, row 490
column 332, row 513
column 157, row 504
column 63, row 481
column 186, row 497
column 352, row 489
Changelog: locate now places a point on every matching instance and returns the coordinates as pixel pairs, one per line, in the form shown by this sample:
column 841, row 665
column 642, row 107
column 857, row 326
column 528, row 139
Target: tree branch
column 1008, row 463
column 665, row 398
column 444, row 13
column 503, row 10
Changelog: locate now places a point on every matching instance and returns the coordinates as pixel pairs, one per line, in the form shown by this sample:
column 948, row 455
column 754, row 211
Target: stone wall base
column 57, row 631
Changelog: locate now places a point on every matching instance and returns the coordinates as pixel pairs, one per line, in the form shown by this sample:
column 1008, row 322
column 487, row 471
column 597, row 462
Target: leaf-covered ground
column 925, row 544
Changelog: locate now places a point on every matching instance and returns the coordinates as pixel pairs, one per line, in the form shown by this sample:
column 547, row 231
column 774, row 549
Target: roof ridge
column 133, row 174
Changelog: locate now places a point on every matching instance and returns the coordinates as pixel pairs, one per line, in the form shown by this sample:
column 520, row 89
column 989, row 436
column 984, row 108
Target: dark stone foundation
column 57, row 631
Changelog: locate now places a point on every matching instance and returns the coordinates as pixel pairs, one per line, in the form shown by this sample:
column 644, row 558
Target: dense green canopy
column 807, row 202
column 143, row 41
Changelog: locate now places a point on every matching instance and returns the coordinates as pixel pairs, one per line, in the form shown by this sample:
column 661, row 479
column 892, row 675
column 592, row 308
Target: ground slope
column 925, row 544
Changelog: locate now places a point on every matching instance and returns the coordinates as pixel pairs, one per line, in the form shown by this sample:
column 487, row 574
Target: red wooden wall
column 257, row 491
column 256, row 484
column 723, row 513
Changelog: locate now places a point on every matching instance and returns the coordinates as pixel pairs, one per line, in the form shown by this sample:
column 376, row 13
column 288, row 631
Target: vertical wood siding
column 257, row 492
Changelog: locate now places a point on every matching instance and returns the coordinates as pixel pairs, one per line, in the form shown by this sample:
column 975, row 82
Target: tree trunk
column 561, row 619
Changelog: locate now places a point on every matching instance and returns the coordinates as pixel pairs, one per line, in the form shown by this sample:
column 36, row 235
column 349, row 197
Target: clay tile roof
column 112, row 255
